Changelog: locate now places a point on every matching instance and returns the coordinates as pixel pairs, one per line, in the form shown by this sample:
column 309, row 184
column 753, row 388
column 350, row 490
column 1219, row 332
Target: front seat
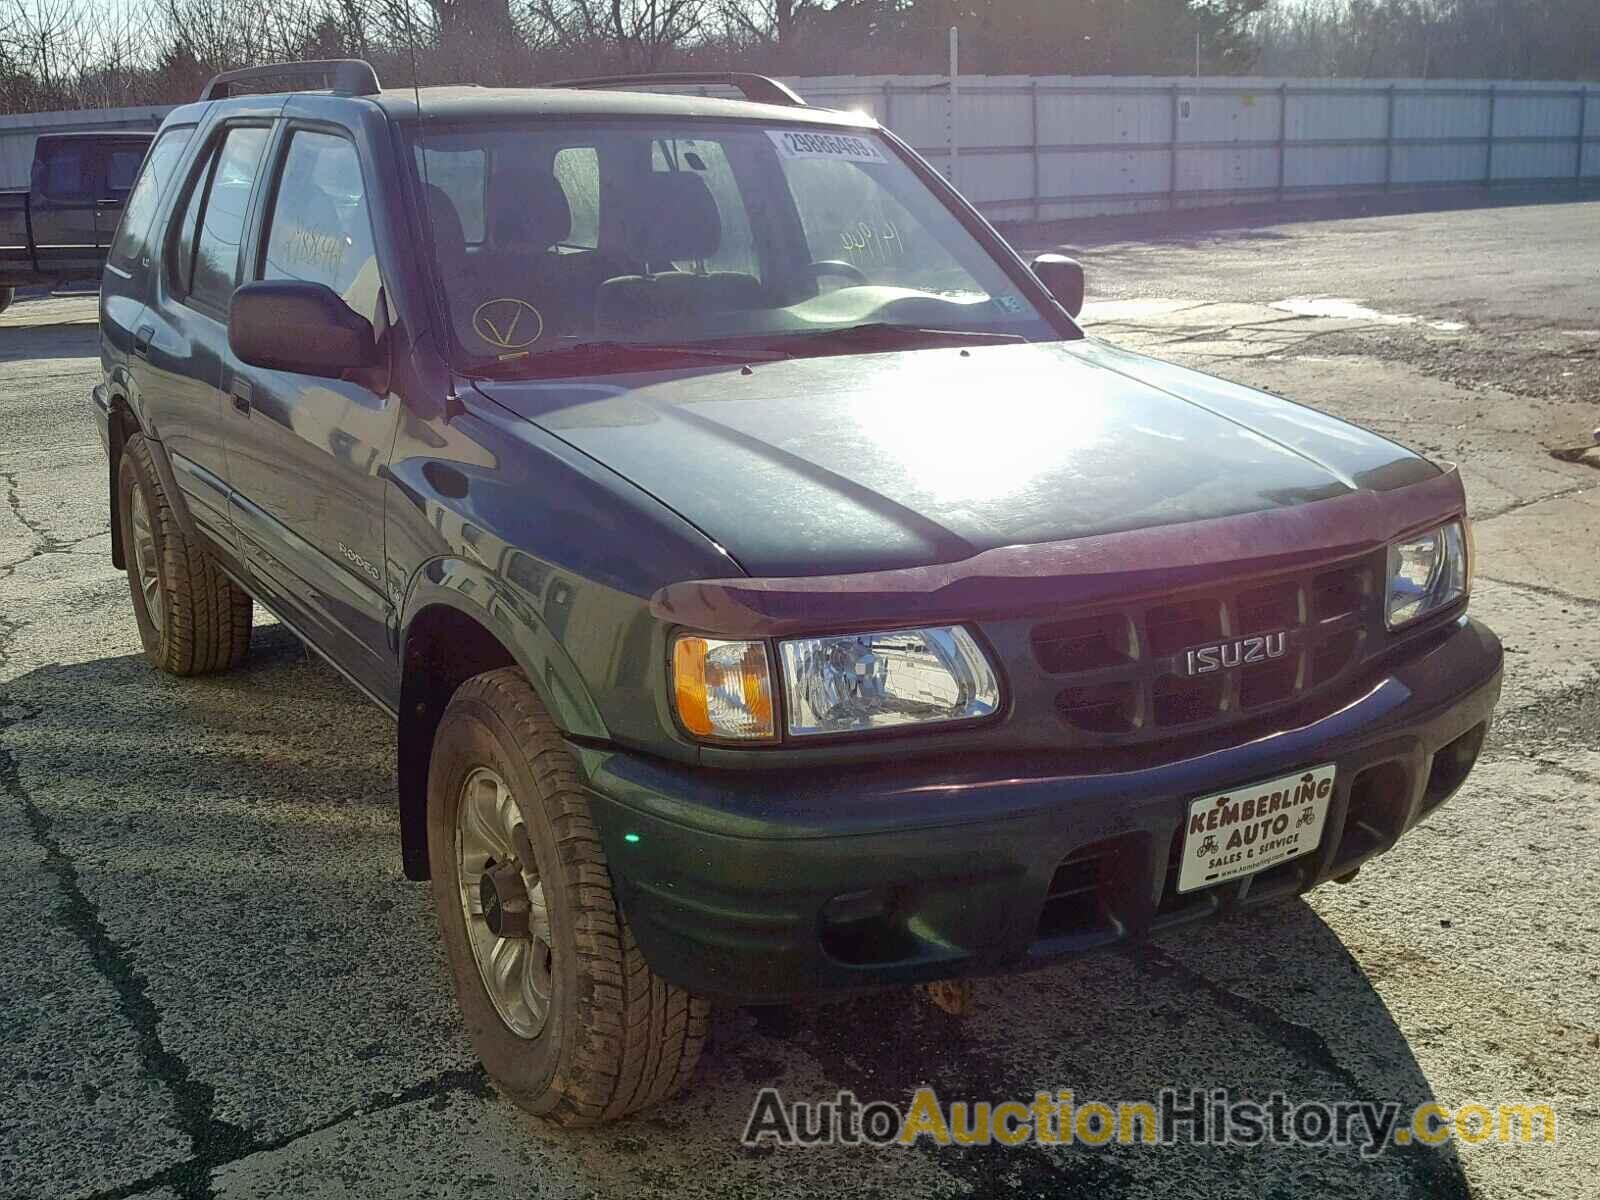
column 529, row 217
column 676, row 221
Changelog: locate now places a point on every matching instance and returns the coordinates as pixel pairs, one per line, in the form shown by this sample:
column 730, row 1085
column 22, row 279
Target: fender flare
column 118, row 406
column 512, row 620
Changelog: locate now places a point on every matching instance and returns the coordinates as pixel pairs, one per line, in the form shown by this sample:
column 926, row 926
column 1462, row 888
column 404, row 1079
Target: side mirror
column 1063, row 277
column 287, row 325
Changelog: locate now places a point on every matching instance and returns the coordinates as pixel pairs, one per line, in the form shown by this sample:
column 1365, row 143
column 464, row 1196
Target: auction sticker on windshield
column 799, row 143
column 1239, row 832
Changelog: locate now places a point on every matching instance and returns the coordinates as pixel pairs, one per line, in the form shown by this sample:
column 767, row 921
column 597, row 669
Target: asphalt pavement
column 215, row 982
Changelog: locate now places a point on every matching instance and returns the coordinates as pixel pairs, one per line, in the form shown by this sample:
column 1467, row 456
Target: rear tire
column 7, row 295
column 578, row 1029
column 193, row 620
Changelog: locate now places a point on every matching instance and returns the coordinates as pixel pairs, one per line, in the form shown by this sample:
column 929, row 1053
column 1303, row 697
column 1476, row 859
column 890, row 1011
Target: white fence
column 1034, row 148
column 1050, row 147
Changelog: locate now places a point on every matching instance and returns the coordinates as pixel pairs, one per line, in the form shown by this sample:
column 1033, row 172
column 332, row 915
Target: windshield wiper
column 585, row 353
column 888, row 334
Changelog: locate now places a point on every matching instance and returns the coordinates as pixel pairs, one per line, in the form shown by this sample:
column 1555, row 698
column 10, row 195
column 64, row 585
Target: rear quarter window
column 132, row 244
column 122, row 167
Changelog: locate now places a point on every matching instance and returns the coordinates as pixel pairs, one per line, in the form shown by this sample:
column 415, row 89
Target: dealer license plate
column 1239, row 832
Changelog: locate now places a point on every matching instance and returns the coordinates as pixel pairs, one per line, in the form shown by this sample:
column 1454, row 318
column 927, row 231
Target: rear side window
column 577, row 170
column 463, row 176
column 66, row 172
column 320, row 230
column 132, row 242
column 207, row 243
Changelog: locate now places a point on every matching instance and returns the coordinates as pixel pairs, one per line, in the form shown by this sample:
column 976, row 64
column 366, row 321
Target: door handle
column 141, row 340
column 242, row 397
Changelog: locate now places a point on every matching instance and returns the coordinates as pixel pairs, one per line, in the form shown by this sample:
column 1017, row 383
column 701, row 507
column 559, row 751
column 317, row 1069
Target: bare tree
column 633, row 34
column 771, row 23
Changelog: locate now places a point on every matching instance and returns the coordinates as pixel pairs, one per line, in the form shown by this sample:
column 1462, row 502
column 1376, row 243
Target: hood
column 821, row 466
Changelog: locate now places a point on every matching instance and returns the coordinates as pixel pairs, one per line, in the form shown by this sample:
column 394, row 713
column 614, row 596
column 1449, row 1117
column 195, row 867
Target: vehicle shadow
column 49, row 327
column 236, row 837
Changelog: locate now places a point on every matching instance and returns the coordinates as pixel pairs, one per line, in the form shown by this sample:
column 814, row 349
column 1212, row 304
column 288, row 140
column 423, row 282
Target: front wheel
column 557, row 997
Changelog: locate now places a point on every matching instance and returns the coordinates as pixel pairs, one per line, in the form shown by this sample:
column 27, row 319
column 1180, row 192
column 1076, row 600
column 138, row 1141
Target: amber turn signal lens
column 723, row 689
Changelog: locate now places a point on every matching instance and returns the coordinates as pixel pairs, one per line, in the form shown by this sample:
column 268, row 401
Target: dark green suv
column 776, row 591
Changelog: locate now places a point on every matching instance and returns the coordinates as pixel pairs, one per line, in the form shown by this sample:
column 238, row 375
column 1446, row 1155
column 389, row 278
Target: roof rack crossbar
column 760, row 88
column 346, row 76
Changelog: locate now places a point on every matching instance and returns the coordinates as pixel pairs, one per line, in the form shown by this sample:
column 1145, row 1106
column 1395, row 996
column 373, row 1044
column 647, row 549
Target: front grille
column 1173, row 627
column 1125, row 675
column 1105, row 708
column 1101, row 641
column 1180, row 700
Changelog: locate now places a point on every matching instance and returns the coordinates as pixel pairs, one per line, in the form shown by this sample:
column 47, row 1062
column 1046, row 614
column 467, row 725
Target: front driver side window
column 320, row 230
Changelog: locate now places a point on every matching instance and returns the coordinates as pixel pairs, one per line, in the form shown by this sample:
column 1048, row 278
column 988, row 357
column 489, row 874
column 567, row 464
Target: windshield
column 644, row 237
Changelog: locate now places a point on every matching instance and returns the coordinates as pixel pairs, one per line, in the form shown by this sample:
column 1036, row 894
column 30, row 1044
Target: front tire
column 192, row 619
column 557, row 997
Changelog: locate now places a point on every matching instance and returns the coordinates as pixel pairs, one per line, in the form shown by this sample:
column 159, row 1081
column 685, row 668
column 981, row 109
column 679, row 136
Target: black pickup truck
column 59, row 227
column 776, row 590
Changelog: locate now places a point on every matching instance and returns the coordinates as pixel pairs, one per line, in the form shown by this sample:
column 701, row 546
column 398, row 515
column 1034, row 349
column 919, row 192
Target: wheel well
column 121, row 427
column 444, row 648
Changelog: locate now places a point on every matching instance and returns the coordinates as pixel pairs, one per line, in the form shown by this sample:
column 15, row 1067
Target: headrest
column 528, row 208
column 449, row 237
column 678, row 220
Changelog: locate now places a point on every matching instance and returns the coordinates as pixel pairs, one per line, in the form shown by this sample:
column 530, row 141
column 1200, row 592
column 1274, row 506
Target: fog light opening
column 1451, row 765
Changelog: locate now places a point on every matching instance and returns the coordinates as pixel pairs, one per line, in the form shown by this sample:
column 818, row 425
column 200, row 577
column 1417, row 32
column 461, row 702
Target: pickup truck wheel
column 192, row 618
column 558, row 1000
column 7, row 295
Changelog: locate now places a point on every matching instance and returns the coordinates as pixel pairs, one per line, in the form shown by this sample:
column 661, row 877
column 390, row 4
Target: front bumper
column 768, row 886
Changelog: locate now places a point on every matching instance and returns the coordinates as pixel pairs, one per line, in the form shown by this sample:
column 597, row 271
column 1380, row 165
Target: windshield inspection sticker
column 795, row 143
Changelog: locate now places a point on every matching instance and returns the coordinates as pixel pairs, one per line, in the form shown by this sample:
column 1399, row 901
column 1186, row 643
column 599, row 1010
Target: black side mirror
column 1063, row 276
column 287, row 325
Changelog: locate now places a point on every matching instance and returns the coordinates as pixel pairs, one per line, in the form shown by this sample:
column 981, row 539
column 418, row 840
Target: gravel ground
column 216, row 983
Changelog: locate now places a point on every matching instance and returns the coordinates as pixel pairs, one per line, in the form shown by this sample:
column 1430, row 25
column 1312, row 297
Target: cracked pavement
column 215, row 983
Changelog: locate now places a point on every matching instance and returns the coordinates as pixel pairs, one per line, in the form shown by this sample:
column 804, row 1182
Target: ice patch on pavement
column 1349, row 310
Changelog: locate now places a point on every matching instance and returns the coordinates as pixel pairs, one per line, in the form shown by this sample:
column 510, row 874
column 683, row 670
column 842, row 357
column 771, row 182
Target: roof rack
column 760, row 88
column 346, row 76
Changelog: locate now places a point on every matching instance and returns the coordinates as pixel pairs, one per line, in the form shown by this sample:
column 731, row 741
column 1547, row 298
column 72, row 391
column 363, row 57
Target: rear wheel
column 558, row 1000
column 192, row 618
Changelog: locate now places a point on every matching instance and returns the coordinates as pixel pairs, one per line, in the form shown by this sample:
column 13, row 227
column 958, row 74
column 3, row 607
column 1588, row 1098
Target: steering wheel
column 837, row 266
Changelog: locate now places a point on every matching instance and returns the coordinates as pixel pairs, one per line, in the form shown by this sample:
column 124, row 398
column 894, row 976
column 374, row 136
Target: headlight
column 723, row 689
column 1426, row 573
column 865, row 681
